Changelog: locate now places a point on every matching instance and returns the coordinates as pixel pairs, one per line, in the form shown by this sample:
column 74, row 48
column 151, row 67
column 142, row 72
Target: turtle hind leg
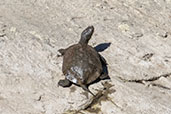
column 104, row 76
column 86, row 89
column 64, row 83
column 102, row 59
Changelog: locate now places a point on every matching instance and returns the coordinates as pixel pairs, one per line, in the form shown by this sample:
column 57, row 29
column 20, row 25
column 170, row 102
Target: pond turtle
column 82, row 64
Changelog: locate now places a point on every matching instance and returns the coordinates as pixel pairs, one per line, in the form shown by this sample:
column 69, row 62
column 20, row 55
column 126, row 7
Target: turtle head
column 86, row 35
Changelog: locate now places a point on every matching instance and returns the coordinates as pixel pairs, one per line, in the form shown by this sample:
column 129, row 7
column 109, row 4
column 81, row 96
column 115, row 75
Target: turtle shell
column 81, row 62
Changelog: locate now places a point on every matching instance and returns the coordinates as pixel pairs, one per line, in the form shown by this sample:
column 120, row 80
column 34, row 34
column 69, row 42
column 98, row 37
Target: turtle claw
column 61, row 51
column 64, row 83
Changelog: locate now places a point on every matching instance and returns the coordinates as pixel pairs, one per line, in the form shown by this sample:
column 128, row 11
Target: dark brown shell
column 81, row 62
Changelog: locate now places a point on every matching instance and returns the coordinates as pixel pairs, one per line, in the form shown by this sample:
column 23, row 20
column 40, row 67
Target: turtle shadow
column 99, row 48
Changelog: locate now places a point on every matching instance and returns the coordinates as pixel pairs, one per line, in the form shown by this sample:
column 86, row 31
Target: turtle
column 82, row 64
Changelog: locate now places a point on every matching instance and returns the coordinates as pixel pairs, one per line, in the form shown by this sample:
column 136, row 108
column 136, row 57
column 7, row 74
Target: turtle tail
column 86, row 89
column 86, row 35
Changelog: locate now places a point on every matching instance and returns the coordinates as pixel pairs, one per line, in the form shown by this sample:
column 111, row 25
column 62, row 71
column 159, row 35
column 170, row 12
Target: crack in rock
column 160, row 86
column 2, row 35
column 143, row 81
column 93, row 104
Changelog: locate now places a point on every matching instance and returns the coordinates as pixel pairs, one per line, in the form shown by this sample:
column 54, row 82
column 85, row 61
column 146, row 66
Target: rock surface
column 139, row 55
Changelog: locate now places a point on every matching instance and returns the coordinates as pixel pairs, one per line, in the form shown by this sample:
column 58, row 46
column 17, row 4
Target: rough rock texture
column 139, row 56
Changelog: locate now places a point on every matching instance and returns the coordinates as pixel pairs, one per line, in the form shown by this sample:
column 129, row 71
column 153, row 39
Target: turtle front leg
column 62, row 52
column 64, row 83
